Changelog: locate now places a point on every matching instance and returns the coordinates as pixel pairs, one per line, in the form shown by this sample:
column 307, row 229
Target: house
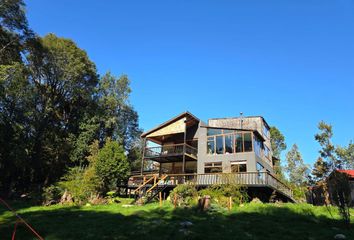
column 185, row 149
column 317, row 195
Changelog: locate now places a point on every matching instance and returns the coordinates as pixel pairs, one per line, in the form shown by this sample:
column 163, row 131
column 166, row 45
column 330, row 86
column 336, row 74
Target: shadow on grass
column 165, row 223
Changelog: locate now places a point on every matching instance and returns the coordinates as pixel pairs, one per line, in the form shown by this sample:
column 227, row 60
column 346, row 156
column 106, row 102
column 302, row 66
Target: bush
column 111, row 165
column 220, row 193
column 81, row 183
column 51, row 195
column 185, row 194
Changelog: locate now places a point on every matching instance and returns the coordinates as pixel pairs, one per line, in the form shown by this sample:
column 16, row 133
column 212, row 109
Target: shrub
column 81, row 183
column 52, row 194
column 220, row 193
column 185, row 194
column 111, row 165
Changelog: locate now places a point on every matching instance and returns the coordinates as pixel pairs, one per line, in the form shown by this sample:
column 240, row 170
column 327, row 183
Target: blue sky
column 289, row 61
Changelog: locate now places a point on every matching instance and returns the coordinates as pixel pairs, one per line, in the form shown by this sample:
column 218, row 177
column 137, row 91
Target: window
column 219, row 144
column 225, row 141
column 259, row 167
column 239, row 142
column 248, row 142
column 265, row 131
column 229, row 143
column 266, row 151
column 213, row 131
column 211, row 145
column 258, row 145
column 237, row 167
column 214, row 167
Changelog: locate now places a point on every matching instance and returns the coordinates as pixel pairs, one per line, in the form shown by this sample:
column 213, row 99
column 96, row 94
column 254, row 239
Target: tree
column 278, row 145
column 296, row 169
column 14, row 31
column 346, row 155
column 112, row 165
column 320, row 170
column 120, row 120
column 327, row 151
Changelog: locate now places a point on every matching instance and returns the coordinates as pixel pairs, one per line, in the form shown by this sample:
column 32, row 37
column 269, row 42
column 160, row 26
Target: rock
column 186, row 224
column 340, row 236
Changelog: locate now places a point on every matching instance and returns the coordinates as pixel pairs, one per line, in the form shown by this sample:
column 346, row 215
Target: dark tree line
column 53, row 105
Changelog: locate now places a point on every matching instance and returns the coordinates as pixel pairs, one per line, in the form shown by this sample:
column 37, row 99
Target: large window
column 211, row 145
column 219, row 144
column 258, row 146
column 213, row 167
column 266, row 152
column 247, row 139
column 229, row 144
column 226, row 141
column 265, row 131
column 237, row 167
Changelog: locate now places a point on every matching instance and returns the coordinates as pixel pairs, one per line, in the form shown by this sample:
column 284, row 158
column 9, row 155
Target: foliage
column 184, row 195
column 278, row 145
column 320, row 170
column 295, row 167
column 112, row 165
column 327, row 151
column 299, row 193
column 53, row 106
column 346, row 154
column 220, row 193
column 81, row 183
column 340, row 193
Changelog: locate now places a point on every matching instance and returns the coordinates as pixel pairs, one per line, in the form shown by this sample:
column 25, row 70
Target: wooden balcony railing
column 248, row 179
column 170, row 150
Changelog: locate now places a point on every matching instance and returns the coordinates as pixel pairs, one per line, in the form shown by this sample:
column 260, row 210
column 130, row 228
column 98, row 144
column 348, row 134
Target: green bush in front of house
column 221, row 193
column 184, row 195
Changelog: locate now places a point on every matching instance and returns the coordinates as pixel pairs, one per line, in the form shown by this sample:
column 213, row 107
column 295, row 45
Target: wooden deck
column 170, row 153
column 249, row 179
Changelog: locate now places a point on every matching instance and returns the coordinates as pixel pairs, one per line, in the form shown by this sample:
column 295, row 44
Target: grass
column 251, row 221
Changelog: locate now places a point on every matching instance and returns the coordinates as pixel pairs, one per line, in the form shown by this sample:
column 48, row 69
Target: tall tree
column 64, row 81
column 14, row 31
column 278, row 144
column 327, row 151
column 120, row 119
column 296, row 169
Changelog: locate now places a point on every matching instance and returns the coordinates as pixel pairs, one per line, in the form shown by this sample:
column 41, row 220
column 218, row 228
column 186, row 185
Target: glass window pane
column 239, row 146
column 229, row 143
column 243, row 167
column 219, row 144
column 248, row 142
column 228, row 131
column 213, row 131
column 211, row 146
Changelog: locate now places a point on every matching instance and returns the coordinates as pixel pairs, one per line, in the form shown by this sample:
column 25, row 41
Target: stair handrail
column 143, row 184
column 157, row 183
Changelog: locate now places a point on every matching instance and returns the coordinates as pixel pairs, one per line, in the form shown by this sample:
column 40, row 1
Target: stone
column 340, row 236
column 186, row 224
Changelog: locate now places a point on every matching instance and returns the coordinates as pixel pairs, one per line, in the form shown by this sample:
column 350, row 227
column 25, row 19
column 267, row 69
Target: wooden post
column 184, row 146
column 142, row 158
column 160, row 196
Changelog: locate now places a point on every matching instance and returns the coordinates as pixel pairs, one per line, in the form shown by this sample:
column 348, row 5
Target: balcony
column 248, row 179
column 169, row 153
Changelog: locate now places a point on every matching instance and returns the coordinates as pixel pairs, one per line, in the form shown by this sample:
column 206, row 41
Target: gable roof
column 349, row 172
column 186, row 114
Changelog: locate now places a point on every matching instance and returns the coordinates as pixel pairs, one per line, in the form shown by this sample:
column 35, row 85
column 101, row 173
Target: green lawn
column 251, row 221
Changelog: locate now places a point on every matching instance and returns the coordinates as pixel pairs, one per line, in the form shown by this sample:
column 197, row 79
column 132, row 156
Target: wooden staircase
column 150, row 189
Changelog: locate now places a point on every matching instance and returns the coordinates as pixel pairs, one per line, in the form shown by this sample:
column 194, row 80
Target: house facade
column 184, row 144
column 186, row 149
